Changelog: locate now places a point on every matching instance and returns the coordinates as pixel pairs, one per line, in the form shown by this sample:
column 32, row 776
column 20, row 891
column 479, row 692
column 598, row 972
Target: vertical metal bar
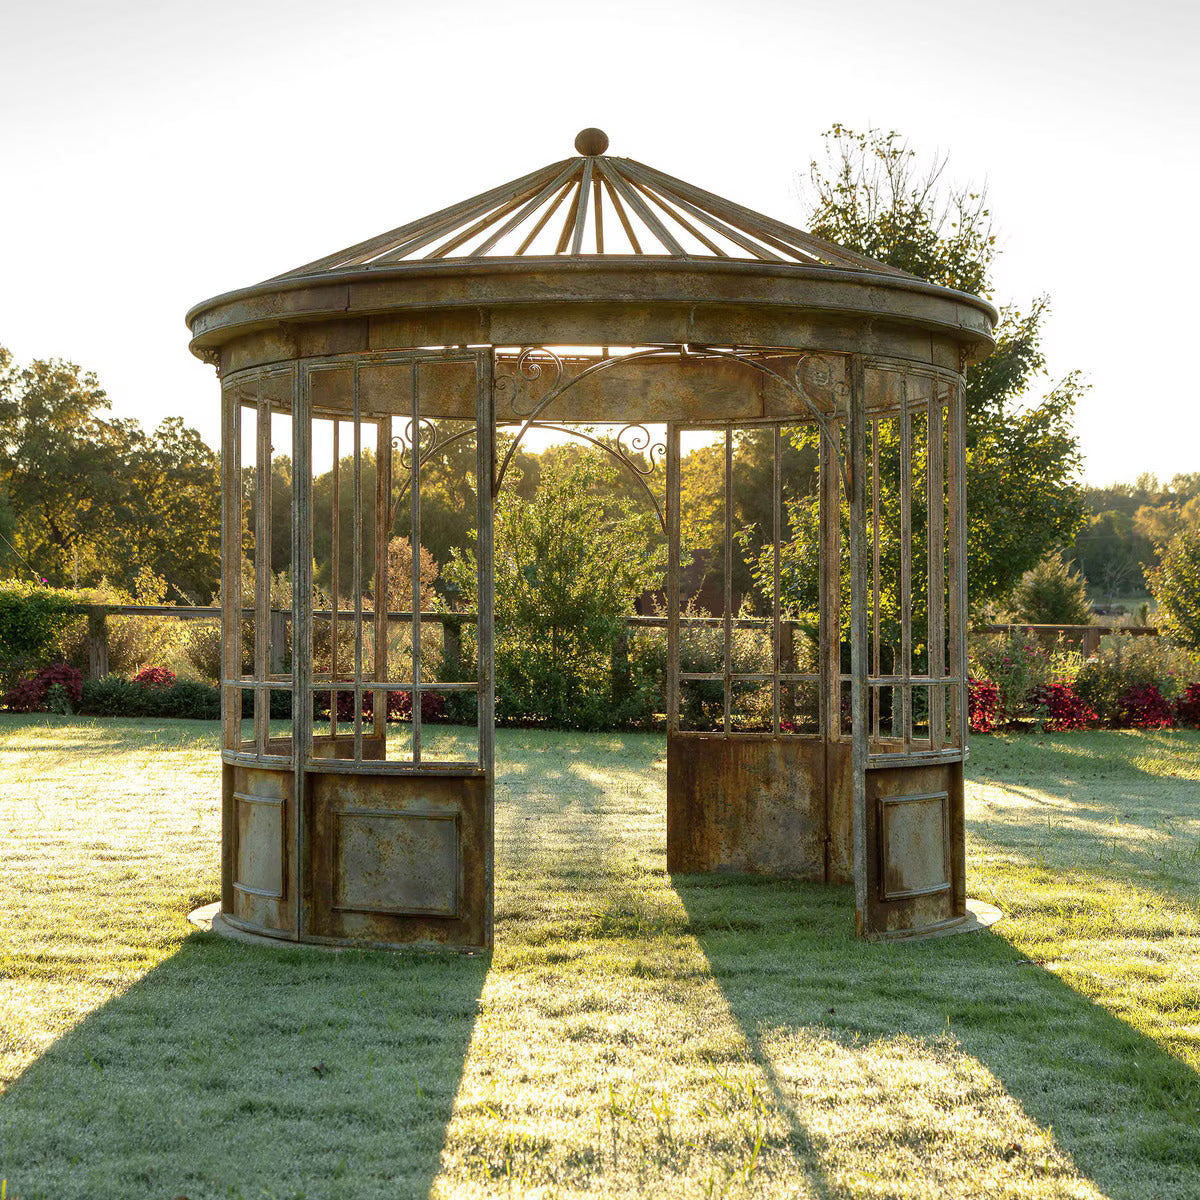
column 414, row 499
column 356, row 568
column 231, row 567
column 383, row 510
column 302, row 628
column 906, row 550
column 856, row 454
column 829, row 588
column 935, row 504
column 673, row 528
column 958, row 554
column 728, row 576
column 876, row 650
column 485, row 465
column 776, row 597
column 231, row 612
column 335, row 569
column 262, row 576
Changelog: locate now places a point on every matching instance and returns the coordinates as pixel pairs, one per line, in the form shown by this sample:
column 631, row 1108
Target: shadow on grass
column 239, row 1071
column 1124, row 1109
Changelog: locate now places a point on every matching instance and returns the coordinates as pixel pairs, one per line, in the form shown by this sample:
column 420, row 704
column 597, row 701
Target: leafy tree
column 1023, row 494
column 567, row 570
column 1176, row 586
column 86, row 497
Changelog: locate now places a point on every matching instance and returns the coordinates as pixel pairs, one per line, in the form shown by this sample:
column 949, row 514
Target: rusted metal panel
column 740, row 803
column 914, row 849
column 399, row 859
column 914, row 845
column 402, row 863
column 261, row 866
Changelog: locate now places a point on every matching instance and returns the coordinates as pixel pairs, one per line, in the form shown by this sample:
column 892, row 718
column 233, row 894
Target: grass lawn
column 633, row 1034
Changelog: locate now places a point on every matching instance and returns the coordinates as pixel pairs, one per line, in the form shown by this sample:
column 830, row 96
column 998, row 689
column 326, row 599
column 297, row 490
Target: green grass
column 632, row 1034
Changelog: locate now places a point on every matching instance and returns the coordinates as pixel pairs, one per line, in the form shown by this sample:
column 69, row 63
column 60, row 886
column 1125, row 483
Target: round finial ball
column 591, row 141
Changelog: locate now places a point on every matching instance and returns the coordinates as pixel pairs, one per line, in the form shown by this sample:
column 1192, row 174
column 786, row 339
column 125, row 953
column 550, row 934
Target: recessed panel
column 259, row 868
column 914, row 845
column 400, row 863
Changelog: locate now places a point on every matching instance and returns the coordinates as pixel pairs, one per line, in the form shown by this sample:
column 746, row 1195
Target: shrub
column 983, row 698
column 1065, row 709
column 1143, row 706
column 1124, row 662
column 32, row 619
column 111, row 696
column 1019, row 666
column 1051, row 595
column 1187, row 706
column 202, row 649
column 33, row 695
column 1175, row 583
column 156, row 677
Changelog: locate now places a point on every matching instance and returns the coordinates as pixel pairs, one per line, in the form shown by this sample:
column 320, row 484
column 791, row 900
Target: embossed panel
column 914, row 845
column 396, row 862
column 260, row 852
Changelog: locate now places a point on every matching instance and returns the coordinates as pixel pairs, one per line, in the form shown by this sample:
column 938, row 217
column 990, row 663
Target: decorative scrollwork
column 210, row 355
column 529, row 368
column 426, row 433
column 642, row 453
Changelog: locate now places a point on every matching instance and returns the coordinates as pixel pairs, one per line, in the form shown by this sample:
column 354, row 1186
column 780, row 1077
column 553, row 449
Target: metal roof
column 595, row 204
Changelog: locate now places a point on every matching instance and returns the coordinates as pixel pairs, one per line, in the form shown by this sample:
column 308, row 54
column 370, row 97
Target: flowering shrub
column 29, row 695
column 1124, row 663
column 983, row 697
column 1065, row 709
column 1019, row 666
column 1143, row 706
column 399, row 706
column 155, row 677
column 1187, row 707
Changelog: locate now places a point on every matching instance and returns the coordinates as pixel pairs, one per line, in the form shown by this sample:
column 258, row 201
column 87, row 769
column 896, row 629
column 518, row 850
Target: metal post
column 302, row 627
column 856, row 455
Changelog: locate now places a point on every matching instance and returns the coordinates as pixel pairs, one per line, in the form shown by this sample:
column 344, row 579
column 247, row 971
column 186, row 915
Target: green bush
column 568, row 567
column 113, row 696
column 1124, row 662
column 1175, row 583
column 1022, row 668
column 32, row 619
column 1051, row 595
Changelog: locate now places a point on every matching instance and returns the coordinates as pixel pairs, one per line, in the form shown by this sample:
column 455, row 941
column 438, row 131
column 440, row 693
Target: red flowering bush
column 983, row 698
column 1187, row 707
column 1144, row 707
column 155, row 677
column 399, row 706
column 29, row 695
column 1065, row 708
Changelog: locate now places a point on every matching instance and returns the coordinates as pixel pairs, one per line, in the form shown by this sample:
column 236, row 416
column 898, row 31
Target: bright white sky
column 159, row 153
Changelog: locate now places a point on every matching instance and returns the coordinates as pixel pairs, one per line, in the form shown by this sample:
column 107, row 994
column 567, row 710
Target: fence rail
column 1087, row 637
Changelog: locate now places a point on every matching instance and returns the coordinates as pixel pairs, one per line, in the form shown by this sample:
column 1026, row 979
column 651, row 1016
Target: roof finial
column 591, row 142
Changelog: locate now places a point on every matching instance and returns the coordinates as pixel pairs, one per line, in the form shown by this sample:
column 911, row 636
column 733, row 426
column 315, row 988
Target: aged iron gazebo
column 598, row 291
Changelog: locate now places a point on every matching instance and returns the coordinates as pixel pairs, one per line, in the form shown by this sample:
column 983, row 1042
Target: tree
column 1024, row 498
column 86, row 497
column 1176, row 586
column 1050, row 594
column 567, row 570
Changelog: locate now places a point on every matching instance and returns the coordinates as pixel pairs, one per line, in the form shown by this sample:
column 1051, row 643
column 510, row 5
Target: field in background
column 632, row 1034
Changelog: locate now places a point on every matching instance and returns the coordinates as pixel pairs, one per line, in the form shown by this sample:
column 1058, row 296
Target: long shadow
column 242, row 1071
column 1125, row 1110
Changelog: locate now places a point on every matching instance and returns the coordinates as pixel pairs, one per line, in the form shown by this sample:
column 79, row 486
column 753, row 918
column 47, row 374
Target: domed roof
column 590, row 206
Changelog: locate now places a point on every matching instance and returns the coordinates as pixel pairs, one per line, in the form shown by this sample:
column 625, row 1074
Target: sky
column 158, row 153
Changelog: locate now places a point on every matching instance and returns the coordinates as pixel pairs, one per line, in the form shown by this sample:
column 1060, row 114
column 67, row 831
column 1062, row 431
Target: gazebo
column 596, row 291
